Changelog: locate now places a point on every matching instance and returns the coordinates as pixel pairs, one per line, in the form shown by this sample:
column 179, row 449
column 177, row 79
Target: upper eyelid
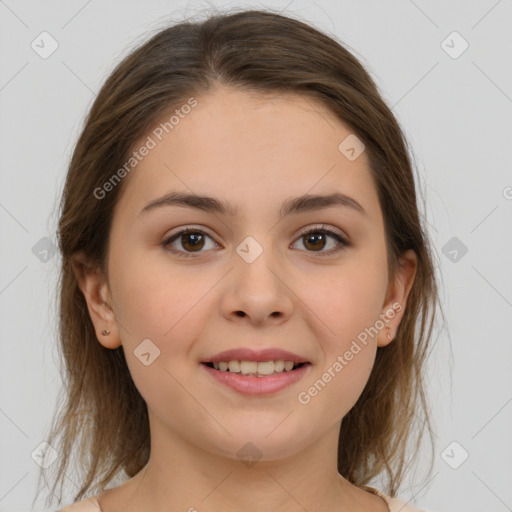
column 323, row 227
column 302, row 231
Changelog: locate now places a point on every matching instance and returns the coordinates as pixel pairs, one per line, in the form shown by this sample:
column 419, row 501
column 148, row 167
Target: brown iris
column 314, row 238
column 196, row 239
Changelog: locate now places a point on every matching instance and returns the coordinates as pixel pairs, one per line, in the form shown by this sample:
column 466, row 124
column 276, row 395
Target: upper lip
column 249, row 354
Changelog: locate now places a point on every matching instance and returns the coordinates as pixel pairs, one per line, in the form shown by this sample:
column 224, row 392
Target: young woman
column 247, row 292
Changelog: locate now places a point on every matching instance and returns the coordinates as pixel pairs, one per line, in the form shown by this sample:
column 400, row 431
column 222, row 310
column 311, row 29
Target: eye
column 191, row 240
column 316, row 240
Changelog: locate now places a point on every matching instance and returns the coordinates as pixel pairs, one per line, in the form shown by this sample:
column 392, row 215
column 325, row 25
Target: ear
column 97, row 295
column 396, row 297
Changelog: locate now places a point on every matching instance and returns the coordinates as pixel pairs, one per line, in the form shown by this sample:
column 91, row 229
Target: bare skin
column 298, row 295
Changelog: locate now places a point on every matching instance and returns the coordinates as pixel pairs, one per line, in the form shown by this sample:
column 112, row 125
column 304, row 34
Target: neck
column 183, row 476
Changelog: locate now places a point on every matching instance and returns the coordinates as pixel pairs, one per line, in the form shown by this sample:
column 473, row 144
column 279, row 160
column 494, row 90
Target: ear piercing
column 389, row 334
column 106, row 332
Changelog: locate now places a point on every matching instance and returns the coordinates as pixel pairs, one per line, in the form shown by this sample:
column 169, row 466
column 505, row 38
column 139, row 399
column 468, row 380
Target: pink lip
column 247, row 354
column 258, row 385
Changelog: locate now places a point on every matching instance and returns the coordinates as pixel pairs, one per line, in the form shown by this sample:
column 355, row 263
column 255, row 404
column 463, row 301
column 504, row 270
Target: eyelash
column 344, row 243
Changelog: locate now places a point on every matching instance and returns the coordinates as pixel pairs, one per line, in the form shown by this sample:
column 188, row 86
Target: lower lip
column 258, row 385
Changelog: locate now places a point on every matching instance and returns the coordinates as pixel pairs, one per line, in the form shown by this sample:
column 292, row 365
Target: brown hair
column 104, row 417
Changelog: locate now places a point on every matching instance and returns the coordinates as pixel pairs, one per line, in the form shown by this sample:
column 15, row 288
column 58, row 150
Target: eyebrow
column 295, row 205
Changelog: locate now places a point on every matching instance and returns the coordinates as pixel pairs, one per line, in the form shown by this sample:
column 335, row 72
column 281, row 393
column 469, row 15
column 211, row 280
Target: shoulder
column 394, row 504
column 398, row 505
column 87, row 505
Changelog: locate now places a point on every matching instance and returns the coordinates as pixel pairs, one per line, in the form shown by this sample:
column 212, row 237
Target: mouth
column 256, row 378
column 255, row 368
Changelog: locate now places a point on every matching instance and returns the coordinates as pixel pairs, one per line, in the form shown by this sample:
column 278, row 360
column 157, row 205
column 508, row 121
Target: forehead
column 245, row 147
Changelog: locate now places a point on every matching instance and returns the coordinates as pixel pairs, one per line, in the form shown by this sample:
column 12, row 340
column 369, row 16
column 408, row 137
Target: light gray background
column 455, row 111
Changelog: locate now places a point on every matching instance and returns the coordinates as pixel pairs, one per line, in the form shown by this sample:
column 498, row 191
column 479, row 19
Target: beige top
column 394, row 504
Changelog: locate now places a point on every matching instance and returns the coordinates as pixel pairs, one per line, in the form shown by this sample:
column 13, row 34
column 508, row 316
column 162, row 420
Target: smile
column 256, row 377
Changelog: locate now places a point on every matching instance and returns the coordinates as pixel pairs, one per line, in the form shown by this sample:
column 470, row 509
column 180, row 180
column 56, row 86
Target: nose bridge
column 250, row 249
column 257, row 262
column 258, row 288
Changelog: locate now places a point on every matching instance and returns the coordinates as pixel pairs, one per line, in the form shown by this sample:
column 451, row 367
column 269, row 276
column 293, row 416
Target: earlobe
column 95, row 290
column 396, row 298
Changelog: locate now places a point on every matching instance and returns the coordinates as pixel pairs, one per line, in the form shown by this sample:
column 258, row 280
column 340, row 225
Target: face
column 312, row 282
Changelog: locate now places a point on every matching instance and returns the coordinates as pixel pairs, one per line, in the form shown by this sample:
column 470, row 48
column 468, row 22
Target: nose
column 257, row 292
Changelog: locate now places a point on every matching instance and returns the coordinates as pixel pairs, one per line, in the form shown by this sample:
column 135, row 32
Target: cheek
column 166, row 305
column 347, row 303
column 153, row 296
column 347, row 300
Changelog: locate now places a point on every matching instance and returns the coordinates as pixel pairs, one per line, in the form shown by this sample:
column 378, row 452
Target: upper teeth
column 255, row 367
